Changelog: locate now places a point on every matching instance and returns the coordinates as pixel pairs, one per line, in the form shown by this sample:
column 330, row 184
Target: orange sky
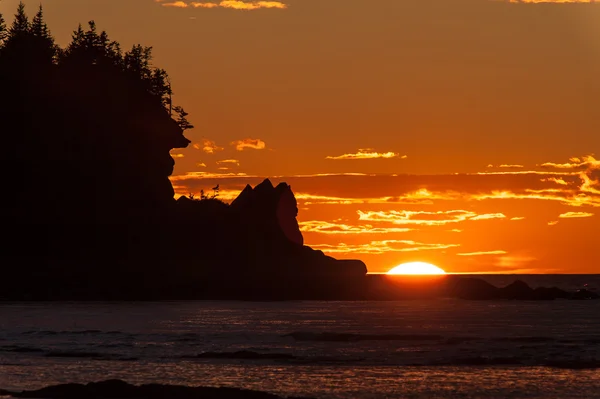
column 457, row 132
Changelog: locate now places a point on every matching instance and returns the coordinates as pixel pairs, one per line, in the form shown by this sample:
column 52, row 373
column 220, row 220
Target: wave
column 525, row 339
column 460, row 340
column 19, row 349
column 245, row 355
column 69, row 332
column 578, row 364
column 350, row 337
column 89, row 355
column 480, row 361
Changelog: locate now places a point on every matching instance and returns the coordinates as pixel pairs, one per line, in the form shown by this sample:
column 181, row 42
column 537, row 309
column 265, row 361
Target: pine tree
column 3, row 32
column 20, row 25
column 17, row 43
column 161, row 88
column 43, row 43
column 181, row 120
column 92, row 48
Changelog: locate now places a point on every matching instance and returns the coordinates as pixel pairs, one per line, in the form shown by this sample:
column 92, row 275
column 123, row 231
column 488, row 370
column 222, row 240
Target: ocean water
column 438, row 348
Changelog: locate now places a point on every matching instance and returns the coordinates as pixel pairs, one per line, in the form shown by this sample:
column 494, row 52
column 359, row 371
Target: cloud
column 553, row 1
column 586, row 162
column 511, row 166
column 557, row 180
column 580, row 189
column 208, row 146
column 367, row 153
column 516, row 218
column 318, row 226
column 229, row 162
column 177, row 4
column 483, row 253
column 380, row 247
column 177, row 155
column 514, row 261
column 571, row 215
column 553, row 223
column 254, row 144
column 231, row 4
column 201, row 165
column 439, row 218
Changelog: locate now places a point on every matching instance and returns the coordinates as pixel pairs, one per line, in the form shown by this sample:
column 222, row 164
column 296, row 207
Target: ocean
column 426, row 348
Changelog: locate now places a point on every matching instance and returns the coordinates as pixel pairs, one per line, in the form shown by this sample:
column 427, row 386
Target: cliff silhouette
column 88, row 208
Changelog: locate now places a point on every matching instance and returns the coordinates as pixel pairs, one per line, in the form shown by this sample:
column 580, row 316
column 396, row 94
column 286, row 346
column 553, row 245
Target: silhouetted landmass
column 477, row 289
column 113, row 389
column 88, row 208
column 386, row 287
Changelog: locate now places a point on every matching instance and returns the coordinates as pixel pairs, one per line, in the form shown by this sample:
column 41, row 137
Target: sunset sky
column 465, row 133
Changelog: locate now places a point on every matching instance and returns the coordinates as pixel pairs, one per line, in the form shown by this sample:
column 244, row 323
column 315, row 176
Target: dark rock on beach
column 113, row 389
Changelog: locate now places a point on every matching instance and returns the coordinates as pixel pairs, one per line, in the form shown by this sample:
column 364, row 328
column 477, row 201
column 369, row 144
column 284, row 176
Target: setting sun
column 417, row 268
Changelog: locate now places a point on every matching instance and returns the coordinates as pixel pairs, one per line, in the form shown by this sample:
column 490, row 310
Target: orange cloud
column 178, row 155
column 511, row 166
column 201, row 165
column 318, row 226
column 553, row 223
column 367, row 153
column 208, row 146
column 229, row 162
column 207, row 176
column 240, row 5
column 585, row 162
column 232, row 4
column 517, row 218
column 582, row 188
column 425, row 218
column 380, row 247
column 557, row 180
column 514, row 261
column 483, row 253
column 177, row 4
column 553, row 1
column 254, row 144
column 571, row 215
column 507, row 166
column 204, row 5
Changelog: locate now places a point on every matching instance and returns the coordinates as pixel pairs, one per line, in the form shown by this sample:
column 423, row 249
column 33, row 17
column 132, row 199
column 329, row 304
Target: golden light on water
column 416, row 268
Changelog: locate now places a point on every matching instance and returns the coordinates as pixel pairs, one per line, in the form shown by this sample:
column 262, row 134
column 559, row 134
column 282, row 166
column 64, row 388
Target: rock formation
column 121, row 389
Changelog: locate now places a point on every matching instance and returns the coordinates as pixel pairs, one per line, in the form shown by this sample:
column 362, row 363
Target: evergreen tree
column 92, row 48
column 137, row 62
column 161, row 88
column 20, row 26
column 43, row 43
column 17, row 42
column 3, row 31
column 181, row 120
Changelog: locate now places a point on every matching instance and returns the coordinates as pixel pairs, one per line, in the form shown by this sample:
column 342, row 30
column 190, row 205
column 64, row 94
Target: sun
column 417, row 268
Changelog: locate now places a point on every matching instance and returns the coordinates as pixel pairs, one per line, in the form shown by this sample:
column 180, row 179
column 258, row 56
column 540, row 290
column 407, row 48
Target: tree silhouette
column 17, row 41
column 43, row 44
column 3, row 31
column 89, row 111
column 20, row 25
column 182, row 121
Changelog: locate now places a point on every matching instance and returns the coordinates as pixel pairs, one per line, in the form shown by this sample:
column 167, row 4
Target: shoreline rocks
column 113, row 389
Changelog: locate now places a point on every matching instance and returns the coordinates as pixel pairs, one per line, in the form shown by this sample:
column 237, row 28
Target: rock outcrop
column 119, row 389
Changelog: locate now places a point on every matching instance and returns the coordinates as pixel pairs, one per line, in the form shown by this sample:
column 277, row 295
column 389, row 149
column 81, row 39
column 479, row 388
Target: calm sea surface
column 438, row 348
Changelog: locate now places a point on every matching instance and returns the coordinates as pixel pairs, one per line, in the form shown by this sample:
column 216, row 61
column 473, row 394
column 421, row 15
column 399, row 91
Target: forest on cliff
column 87, row 131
